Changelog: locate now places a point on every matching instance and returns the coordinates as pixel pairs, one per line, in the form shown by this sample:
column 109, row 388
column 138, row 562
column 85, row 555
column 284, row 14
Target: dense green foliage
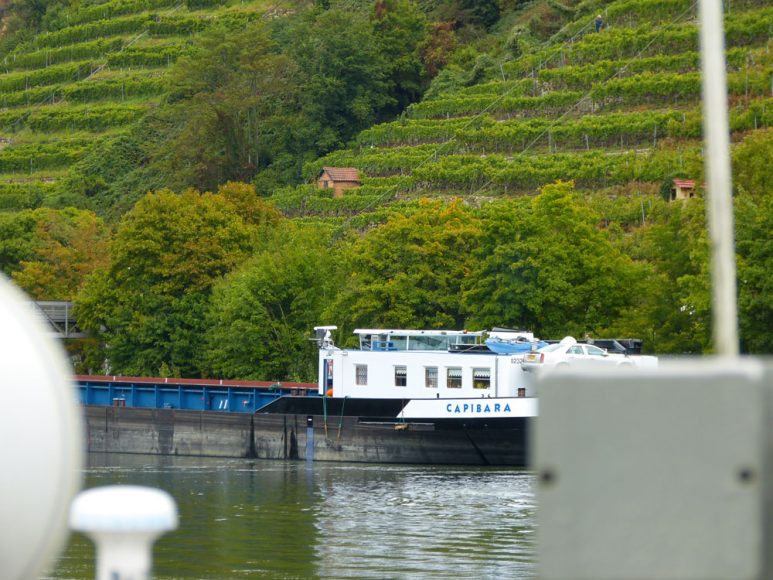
column 50, row 253
column 546, row 265
column 150, row 302
column 409, row 271
column 514, row 165
column 250, row 99
column 255, row 312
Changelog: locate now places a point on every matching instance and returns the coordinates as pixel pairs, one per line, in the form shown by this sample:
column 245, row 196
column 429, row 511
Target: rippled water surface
column 275, row 519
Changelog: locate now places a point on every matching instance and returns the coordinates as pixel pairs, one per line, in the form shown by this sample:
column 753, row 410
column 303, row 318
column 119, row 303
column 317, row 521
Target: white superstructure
column 417, row 364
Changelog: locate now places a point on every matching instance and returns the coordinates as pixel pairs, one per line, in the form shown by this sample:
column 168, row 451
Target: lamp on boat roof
column 323, row 335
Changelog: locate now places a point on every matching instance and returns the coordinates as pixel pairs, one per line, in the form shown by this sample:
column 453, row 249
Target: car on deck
column 570, row 353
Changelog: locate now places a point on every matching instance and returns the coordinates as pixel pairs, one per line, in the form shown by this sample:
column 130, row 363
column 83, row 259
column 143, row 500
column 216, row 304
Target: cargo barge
column 403, row 396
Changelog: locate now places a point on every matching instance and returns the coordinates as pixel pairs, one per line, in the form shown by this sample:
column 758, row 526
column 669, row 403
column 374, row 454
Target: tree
column 672, row 311
column 484, row 12
column 254, row 105
column 26, row 13
column 253, row 210
column 436, row 50
column 545, row 265
column 149, row 304
column 754, row 222
column 343, row 75
column 408, row 272
column 260, row 316
column 752, row 169
column 69, row 245
column 465, row 13
column 17, row 239
column 113, row 175
column 401, row 29
column 232, row 108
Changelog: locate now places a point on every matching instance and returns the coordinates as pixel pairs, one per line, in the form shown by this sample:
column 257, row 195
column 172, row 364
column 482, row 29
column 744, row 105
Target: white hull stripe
column 471, row 408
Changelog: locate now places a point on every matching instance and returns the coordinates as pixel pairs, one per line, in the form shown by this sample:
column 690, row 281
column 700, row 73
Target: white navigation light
column 42, row 444
column 123, row 521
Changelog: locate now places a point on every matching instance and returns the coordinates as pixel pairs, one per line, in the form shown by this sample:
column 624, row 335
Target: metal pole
column 719, row 203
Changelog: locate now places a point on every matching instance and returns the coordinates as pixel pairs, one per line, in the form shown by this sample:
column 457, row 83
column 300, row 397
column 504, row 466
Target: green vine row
column 93, row 30
column 550, row 104
column 37, row 156
column 146, row 57
column 95, row 49
column 114, row 89
column 18, row 196
column 590, row 131
column 114, row 8
column 72, row 71
column 72, row 118
column 418, row 131
column 745, row 29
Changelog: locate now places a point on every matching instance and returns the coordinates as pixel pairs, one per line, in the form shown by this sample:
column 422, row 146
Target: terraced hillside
column 616, row 111
column 90, row 79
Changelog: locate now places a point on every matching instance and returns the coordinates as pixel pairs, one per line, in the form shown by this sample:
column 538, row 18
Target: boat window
column 361, row 374
column 454, row 378
column 383, row 345
column 481, row 378
column 430, row 377
column 401, row 376
column 428, row 343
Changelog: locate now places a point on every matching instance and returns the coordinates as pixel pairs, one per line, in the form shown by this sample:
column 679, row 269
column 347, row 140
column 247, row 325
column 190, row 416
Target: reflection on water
column 275, row 519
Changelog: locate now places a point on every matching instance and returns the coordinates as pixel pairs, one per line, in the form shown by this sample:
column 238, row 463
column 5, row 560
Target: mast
column 719, row 203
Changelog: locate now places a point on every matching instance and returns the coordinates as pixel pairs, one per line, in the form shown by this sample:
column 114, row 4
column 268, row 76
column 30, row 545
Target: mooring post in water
column 309, row 438
column 123, row 521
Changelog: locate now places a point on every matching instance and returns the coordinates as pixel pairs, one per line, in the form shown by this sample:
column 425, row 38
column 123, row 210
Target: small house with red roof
column 338, row 179
column 682, row 189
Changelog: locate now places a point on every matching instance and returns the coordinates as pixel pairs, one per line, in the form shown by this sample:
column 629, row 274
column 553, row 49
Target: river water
column 278, row 519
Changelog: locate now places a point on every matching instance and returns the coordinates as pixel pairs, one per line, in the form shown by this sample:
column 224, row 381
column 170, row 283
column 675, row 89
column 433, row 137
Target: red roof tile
column 684, row 183
column 342, row 173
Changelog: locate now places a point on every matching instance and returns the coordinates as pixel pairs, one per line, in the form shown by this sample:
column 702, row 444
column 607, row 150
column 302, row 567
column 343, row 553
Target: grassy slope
column 617, row 112
column 94, row 77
